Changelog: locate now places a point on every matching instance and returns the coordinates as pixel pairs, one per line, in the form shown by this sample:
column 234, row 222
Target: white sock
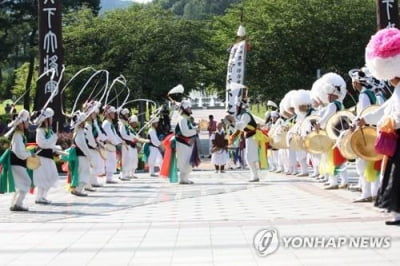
column 14, row 198
column 253, row 169
column 80, row 187
column 396, row 216
column 45, row 192
column 20, row 198
column 109, row 176
column 39, row 193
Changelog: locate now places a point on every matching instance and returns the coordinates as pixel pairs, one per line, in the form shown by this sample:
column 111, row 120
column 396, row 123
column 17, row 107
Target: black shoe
column 90, row 189
column 255, row 180
column 354, row 189
column 397, row 222
column 124, row 178
column 360, row 200
column 79, row 194
column 111, row 182
column 97, row 185
column 17, row 208
column 332, row 187
column 187, row 182
column 43, row 201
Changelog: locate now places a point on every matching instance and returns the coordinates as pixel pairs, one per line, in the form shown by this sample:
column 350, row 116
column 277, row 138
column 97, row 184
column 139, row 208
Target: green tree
column 290, row 40
column 21, row 75
column 196, row 9
column 18, row 35
column 151, row 47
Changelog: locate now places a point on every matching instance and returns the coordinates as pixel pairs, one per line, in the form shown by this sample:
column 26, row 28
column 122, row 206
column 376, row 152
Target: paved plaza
column 148, row 221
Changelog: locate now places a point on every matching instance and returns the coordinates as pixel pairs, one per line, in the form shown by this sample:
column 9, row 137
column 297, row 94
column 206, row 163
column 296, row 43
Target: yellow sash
column 262, row 141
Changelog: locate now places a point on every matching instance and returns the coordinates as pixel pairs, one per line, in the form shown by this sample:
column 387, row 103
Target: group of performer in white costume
column 323, row 100
column 94, row 153
column 378, row 180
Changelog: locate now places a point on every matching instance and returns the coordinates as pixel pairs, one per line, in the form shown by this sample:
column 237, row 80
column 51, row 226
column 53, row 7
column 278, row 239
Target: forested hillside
column 197, row 9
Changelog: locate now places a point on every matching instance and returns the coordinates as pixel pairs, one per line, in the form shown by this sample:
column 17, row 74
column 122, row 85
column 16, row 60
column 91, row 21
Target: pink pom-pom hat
column 382, row 54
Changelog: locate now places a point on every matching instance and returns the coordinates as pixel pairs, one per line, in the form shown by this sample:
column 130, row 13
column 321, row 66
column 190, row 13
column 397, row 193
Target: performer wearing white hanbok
column 83, row 153
column 19, row 154
column 46, row 175
column 133, row 164
column 316, row 106
column 288, row 156
column 185, row 132
column 245, row 122
column 155, row 156
column 273, row 160
column 333, row 92
column 363, row 84
column 97, row 168
column 113, row 140
column 301, row 101
column 126, row 150
column 382, row 56
column 129, row 155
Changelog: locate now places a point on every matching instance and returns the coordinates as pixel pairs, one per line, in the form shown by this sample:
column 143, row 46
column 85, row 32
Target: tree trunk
column 28, row 84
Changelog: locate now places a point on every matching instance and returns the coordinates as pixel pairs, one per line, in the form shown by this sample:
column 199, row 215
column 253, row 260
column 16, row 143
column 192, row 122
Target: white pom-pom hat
column 332, row 83
column 301, row 97
column 316, row 91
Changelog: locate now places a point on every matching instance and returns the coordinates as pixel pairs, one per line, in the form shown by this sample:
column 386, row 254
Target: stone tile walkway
column 149, row 221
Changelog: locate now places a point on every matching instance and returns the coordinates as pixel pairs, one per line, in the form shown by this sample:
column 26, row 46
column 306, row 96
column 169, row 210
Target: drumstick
column 362, row 134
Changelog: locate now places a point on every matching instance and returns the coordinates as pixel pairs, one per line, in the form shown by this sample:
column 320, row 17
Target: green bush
column 4, row 144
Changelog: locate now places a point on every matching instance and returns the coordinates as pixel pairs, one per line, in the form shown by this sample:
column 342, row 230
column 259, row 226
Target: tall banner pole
column 51, row 55
column 236, row 65
column 387, row 14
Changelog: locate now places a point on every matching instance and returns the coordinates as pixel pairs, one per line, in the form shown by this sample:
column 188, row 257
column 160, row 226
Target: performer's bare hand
column 230, row 118
column 360, row 122
column 317, row 127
